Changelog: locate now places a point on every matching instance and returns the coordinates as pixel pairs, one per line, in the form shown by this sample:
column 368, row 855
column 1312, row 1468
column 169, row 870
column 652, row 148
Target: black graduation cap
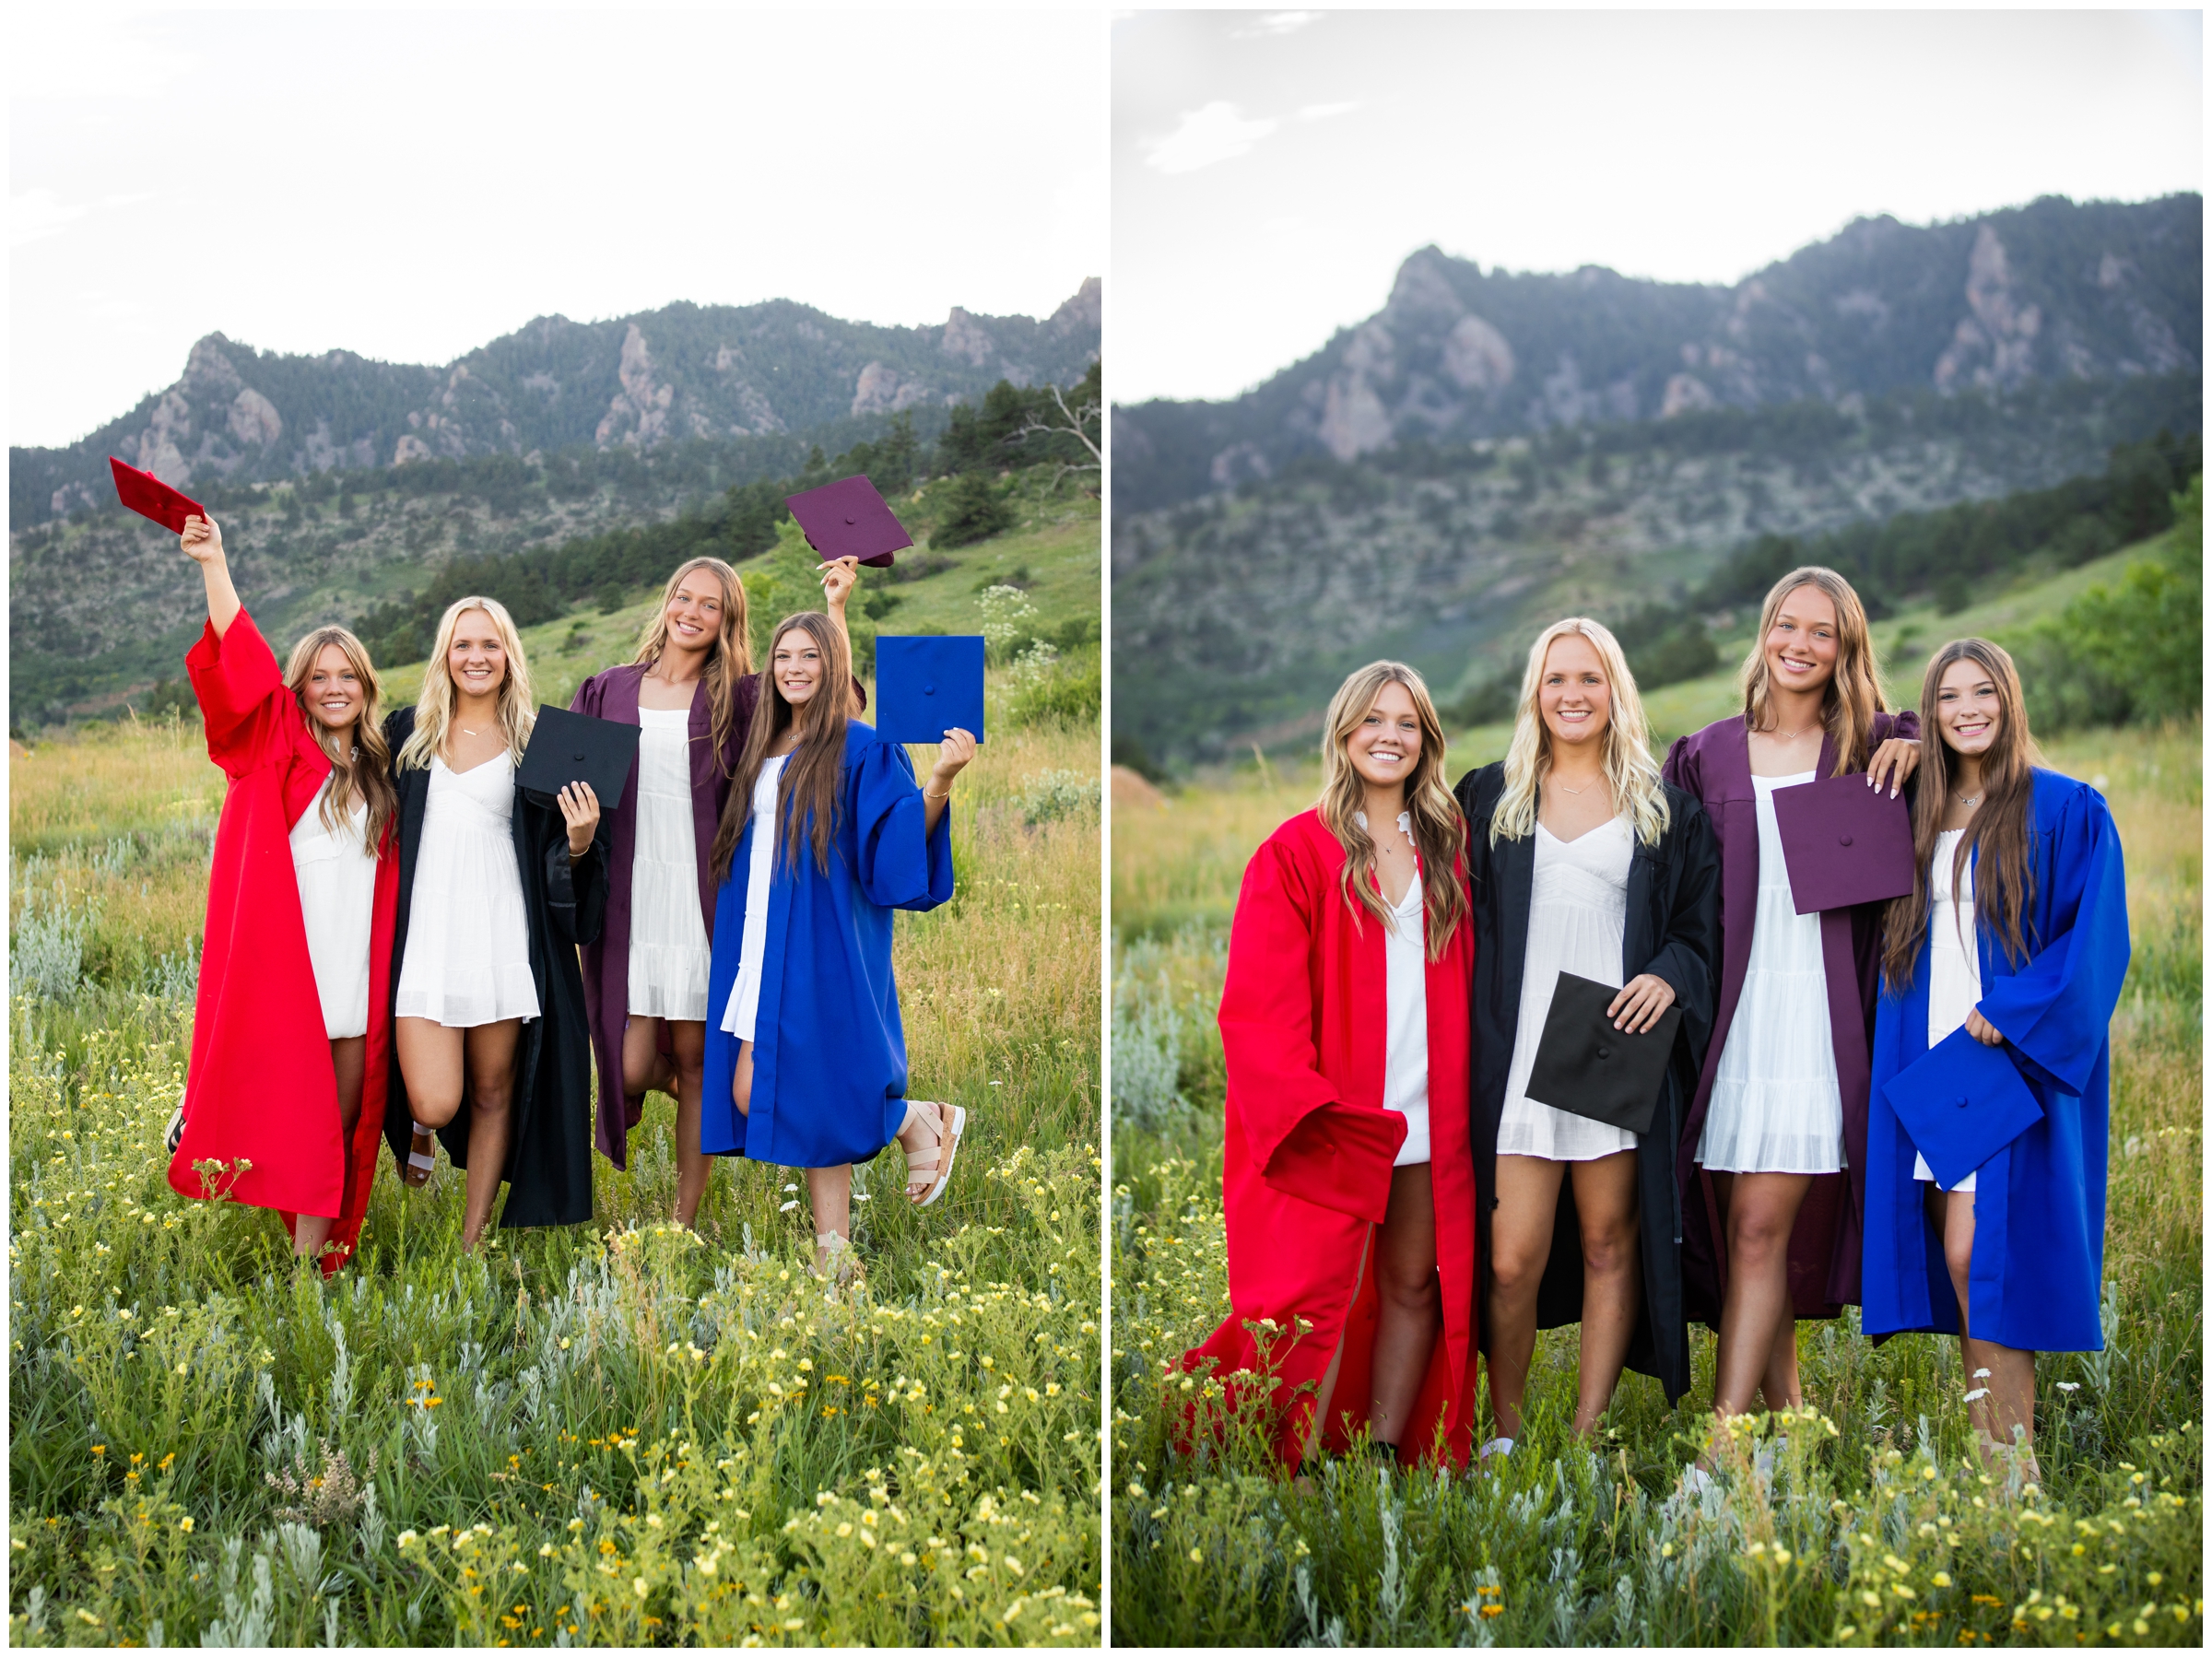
column 568, row 747
column 1586, row 1067
column 1963, row 1102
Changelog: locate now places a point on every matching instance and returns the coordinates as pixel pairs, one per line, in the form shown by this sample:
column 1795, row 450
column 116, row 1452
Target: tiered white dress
column 669, row 949
column 1954, row 960
column 1577, row 917
column 337, row 899
column 1405, row 973
column 1776, row 1106
column 742, row 1015
column 469, row 939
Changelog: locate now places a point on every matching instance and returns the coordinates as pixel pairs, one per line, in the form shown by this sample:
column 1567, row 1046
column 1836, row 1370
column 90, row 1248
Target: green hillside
column 1902, row 644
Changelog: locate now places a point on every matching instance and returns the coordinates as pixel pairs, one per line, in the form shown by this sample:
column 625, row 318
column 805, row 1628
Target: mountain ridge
column 2051, row 289
column 641, row 382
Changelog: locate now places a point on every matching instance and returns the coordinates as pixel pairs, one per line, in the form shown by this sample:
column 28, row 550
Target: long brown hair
column 1439, row 831
column 365, row 762
column 434, row 707
column 809, row 789
column 729, row 658
column 2004, row 882
column 1854, row 694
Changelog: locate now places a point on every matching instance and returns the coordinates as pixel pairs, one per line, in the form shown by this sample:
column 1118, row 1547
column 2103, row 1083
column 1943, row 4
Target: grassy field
column 619, row 1434
column 1874, row 1526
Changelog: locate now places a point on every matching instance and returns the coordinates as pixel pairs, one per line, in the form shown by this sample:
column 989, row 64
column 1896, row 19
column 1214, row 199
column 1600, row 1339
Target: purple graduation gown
column 1714, row 763
column 614, row 695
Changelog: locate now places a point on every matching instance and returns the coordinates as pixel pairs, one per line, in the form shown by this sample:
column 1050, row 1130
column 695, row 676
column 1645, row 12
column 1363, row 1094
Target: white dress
column 1405, row 970
column 743, row 1012
column 1954, row 962
column 1577, row 917
column 1777, row 1107
column 669, row 949
column 469, row 939
column 337, row 899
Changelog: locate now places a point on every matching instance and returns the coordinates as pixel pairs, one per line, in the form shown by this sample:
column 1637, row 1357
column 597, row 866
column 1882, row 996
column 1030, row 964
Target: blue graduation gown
column 829, row 1053
column 2039, row 1202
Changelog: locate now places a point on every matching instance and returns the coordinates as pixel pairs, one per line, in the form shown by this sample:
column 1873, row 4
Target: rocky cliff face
column 639, row 383
column 2054, row 290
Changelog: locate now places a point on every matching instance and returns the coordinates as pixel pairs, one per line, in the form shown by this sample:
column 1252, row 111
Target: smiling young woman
column 693, row 690
column 824, row 835
column 1583, row 860
column 496, row 892
column 1349, row 1201
column 291, row 1026
column 1773, row 1162
column 2015, row 936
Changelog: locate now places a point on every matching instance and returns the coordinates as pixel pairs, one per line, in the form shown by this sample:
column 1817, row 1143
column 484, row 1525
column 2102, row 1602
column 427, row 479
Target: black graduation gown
column 1673, row 931
column 549, row 1158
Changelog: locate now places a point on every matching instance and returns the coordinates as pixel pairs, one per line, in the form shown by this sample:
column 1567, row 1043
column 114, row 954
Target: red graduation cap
column 150, row 498
column 849, row 520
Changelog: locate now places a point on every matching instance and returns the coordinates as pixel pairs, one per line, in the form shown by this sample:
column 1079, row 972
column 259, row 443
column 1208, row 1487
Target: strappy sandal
column 936, row 1170
column 420, row 1161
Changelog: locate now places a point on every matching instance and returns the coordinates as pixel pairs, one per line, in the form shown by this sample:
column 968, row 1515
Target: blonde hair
column 1853, row 694
column 1439, row 833
column 729, row 659
column 434, row 707
column 1631, row 771
column 365, row 766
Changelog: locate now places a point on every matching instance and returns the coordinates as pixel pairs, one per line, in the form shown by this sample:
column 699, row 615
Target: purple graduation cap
column 1961, row 1103
column 1845, row 842
column 849, row 520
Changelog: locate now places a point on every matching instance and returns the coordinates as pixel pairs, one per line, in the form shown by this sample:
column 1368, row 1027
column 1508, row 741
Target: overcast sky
column 410, row 184
column 1272, row 170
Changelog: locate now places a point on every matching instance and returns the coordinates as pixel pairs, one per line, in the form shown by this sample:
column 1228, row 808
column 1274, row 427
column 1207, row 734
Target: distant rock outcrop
column 2054, row 290
column 639, row 383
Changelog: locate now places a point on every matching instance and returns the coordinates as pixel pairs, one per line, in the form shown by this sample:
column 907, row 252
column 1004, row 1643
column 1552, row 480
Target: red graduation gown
column 261, row 1087
column 1307, row 1154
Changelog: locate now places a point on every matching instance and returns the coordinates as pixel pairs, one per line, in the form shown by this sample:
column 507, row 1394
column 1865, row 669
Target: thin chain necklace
column 1969, row 799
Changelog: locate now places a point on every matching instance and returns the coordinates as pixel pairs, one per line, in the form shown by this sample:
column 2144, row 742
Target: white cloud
column 1321, row 112
column 1275, row 23
column 38, row 214
column 1217, row 131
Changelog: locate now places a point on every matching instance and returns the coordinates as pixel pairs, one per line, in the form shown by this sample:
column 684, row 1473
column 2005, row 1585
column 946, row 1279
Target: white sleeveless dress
column 468, row 938
column 669, row 948
column 337, row 899
column 1405, row 997
column 742, row 1015
column 1954, row 962
column 1777, row 1107
column 1578, row 915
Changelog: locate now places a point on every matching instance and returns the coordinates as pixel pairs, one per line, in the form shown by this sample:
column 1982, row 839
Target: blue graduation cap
column 1961, row 1103
column 927, row 684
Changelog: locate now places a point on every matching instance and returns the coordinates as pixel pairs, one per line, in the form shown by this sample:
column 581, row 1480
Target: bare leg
column 1327, row 1392
column 829, row 1194
column 430, row 1065
column 1410, row 1303
column 1606, row 1206
column 2009, row 1400
column 1758, row 1212
column 1528, row 1203
column 741, row 1081
column 692, row 1165
column 490, row 1121
column 644, row 1069
column 350, row 1060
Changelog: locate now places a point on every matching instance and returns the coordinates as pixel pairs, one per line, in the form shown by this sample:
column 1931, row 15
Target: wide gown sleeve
column 2057, row 1012
column 902, row 863
column 575, row 889
column 235, row 676
column 1683, row 770
column 1689, row 960
column 1306, row 1141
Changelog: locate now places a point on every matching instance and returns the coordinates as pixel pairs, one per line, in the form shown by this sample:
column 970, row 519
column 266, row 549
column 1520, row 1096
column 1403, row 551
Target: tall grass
column 1869, row 1520
column 615, row 1434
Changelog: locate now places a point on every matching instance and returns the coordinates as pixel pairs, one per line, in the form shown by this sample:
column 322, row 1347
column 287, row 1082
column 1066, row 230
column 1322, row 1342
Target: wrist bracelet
column 945, row 795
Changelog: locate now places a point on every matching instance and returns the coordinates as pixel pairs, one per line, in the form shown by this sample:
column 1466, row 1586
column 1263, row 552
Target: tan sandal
column 422, row 1157
column 932, row 1166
